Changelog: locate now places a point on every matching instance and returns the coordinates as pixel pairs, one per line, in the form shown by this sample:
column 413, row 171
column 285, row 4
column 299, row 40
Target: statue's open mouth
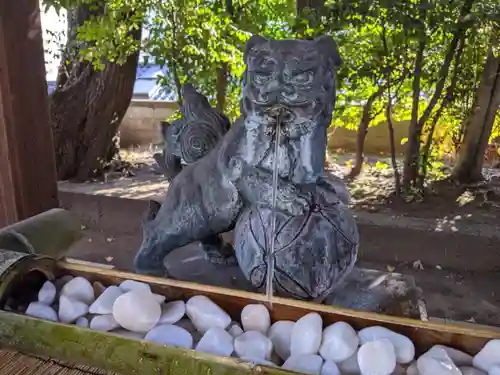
column 282, row 113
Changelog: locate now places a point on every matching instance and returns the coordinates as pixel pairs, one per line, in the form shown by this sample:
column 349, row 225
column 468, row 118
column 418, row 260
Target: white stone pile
column 133, row 310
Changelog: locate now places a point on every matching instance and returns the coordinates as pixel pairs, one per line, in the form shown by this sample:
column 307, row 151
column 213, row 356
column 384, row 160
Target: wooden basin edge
column 423, row 333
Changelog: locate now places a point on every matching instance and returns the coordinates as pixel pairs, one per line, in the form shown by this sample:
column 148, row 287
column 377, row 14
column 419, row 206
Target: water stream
column 272, row 242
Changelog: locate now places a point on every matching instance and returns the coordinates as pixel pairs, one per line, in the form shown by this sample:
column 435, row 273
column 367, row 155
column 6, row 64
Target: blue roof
column 145, row 84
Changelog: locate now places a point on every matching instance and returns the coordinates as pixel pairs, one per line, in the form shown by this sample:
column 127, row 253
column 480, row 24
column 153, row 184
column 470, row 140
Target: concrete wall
column 140, row 127
column 377, row 140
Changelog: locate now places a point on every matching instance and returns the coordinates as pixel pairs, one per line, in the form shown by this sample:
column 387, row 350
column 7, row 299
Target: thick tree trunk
column 86, row 111
column 479, row 124
column 362, row 133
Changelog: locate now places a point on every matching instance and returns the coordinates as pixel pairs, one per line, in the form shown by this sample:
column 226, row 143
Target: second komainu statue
column 316, row 240
column 193, row 136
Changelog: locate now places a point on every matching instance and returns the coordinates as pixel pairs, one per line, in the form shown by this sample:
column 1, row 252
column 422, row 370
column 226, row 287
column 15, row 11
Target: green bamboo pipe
column 114, row 353
column 50, row 233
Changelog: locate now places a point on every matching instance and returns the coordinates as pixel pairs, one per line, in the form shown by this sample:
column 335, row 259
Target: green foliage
column 195, row 39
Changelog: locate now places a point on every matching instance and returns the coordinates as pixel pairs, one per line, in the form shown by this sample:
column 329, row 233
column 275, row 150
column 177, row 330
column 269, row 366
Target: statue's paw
column 216, row 257
column 222, row 253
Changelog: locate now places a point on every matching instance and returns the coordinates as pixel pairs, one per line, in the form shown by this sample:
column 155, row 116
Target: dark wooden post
column 27, row 169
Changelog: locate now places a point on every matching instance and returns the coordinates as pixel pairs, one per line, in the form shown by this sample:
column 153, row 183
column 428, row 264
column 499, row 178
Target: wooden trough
column 45, row 343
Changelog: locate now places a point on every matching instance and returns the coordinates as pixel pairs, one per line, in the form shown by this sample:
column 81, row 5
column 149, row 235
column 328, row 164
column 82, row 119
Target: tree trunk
column 412, row 156
column 86, row 111
column 388, row 115
column 413, row 146
column 448, row 98
column 479, row 124
column 222, row 87
column 223, row 72
column 362, row 133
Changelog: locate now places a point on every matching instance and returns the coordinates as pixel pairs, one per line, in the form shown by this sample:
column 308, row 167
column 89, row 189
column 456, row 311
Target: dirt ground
column 371, row 191
column 458, row 296
column 454, row 296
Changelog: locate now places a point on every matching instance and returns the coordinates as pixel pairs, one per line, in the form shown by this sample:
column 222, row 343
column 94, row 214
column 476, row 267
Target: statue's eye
column 303, row 77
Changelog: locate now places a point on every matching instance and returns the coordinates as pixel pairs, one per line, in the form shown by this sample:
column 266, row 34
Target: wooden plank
column 27, row 167
column 424, row 334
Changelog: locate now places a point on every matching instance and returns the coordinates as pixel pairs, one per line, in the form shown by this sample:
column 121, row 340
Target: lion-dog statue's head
column 297, row 76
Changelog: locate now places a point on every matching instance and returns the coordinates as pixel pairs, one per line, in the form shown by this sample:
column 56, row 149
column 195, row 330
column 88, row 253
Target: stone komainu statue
column 190, row 138
column 316, row 241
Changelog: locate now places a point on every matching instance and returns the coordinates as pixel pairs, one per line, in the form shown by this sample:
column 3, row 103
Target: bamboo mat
column 15, row 363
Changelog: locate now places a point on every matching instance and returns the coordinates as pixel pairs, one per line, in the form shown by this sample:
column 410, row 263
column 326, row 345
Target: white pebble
column 47, row 293
column 216, row 341
column 103, row 323
column 253, row 344
column 255, row 317
column 41, row 311
column 305, row 364
column 205, row 314
column 458, row 357
column 82, row 322
column 350, row 365
column 377, row 357
column 280, row 335
column 258, row 361
column 494, row 370
column 159, row 298
column 436, row 362
column 129, row 285
column 469, row 370
column 70, row 309
column 405, row 350
column 80, row 289
column 306, row 335
column 330, row 368
column 129, row 334
column 137, row 311
column 340, row 341
column 235, row 330
column 172, row 312
column 104, row 303
column 488, row 356
column 168, row 334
